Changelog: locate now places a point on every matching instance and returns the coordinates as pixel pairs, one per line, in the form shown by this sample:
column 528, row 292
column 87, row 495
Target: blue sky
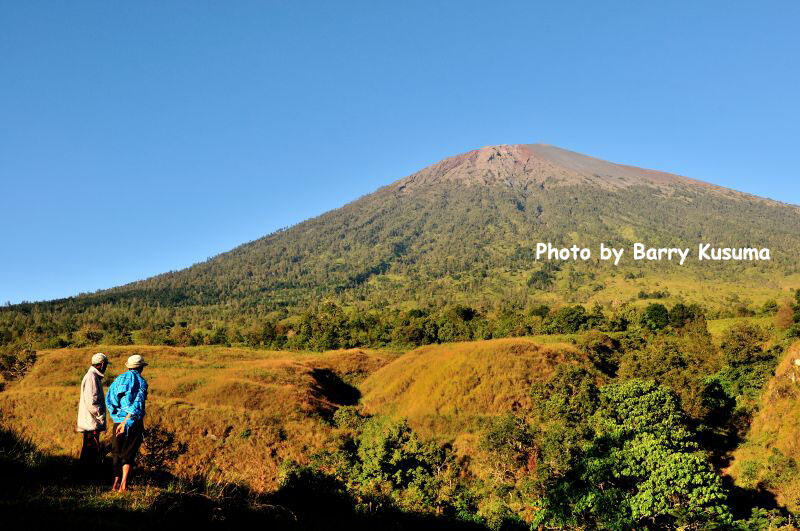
column 141, row 137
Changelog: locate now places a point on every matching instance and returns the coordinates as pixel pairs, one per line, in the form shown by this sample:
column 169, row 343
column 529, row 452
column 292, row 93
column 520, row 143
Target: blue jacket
column 127, row 394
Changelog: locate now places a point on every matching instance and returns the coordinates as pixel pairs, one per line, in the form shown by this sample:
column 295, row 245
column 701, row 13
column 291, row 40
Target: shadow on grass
column 334, row 388
column 41, row 491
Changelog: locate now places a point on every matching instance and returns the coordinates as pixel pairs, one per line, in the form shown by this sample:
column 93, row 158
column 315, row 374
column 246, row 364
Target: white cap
column 135, row 361
column 99, row 358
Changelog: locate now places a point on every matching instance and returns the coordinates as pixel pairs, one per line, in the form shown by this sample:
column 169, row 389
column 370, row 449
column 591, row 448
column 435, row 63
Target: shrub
column 14, row 364
column 570, row 319
column 741, row 344
column 386, row 463
column 160, row 450
column 88, row 334
column 655, row 317
column 541, row 280
column 601, row 349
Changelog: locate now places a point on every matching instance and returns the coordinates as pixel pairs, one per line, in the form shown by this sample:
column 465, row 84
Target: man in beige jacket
column 92, row 411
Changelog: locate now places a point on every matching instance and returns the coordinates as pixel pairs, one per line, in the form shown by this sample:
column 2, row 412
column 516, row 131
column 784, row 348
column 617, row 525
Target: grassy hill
column 769, row 457
column 447, row 390
column 240, row 412
column 470, row 435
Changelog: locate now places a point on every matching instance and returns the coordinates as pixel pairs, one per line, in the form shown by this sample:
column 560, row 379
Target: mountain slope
column 467, row 226
column 481, row 210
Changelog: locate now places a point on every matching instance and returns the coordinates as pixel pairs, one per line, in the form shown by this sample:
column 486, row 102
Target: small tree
column 159, row 451
column 17, row 362
column 570, row 319
column 655, row 317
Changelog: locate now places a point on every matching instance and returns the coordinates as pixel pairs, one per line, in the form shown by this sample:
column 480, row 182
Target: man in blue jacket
column 125, row 400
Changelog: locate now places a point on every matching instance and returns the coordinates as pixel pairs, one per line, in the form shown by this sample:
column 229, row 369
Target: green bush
column 655, row 317
column 619, row 456
column 385, row 464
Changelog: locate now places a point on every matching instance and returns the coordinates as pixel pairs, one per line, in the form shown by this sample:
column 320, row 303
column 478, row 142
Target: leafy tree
column 89, row 334
column 16, row 361
column 602, row 350
column 748, row 366
column 742, row 344
column 570, row 319
column 680, row 314
column 645, row 448
column 681, row 362
column 770, row 307
column 619, row 456
column 541, row 310
column 383, row 458
column 655, row 317
column 509, row 439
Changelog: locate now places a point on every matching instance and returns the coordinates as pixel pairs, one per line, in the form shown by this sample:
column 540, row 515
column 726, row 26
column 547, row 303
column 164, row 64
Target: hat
column 136, row 361
column 99, row 358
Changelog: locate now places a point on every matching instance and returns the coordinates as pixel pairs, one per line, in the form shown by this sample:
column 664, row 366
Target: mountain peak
column 537, row 164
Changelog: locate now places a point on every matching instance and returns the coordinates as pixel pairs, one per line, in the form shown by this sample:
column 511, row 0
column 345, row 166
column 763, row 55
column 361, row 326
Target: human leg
column 116, row 454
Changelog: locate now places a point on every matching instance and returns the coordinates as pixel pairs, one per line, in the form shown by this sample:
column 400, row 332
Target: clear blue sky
column 141, row 137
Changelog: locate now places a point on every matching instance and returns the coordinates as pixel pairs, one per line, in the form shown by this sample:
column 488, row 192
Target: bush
column 14, row 364
column 160, row 450
column 570, row 319
column 348, row 417
column 601, row 349
column 680, row 314
column 742, row 344
column 655, row 317
column 541, row 280
column 748, row 366
column 385, row 463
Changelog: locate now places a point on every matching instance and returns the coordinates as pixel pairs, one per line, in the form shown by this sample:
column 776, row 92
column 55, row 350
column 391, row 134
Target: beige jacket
column 92, row 405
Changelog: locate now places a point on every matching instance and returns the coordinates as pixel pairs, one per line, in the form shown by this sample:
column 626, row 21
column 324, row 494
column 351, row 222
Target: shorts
column 125, row 447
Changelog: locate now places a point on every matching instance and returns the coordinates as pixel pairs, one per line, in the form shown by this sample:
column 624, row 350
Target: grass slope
column 770, row 455
column 239, row 411
column 447, row 389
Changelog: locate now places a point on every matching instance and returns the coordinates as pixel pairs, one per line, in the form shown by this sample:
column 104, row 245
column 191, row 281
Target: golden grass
column 775, row 426
column 709, row 289
column 444, row 390
column 240, row 411
column 717, row 327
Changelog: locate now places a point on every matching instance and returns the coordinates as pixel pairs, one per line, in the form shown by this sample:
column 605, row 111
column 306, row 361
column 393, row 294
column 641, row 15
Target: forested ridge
column 462, row 231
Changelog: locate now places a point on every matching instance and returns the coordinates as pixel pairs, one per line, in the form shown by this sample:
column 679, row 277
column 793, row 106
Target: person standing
column 92, row 414
column 126, row 399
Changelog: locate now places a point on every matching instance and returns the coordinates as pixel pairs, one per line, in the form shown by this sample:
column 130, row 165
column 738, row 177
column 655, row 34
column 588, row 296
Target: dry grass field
column 449, row 389
column 239, row 411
